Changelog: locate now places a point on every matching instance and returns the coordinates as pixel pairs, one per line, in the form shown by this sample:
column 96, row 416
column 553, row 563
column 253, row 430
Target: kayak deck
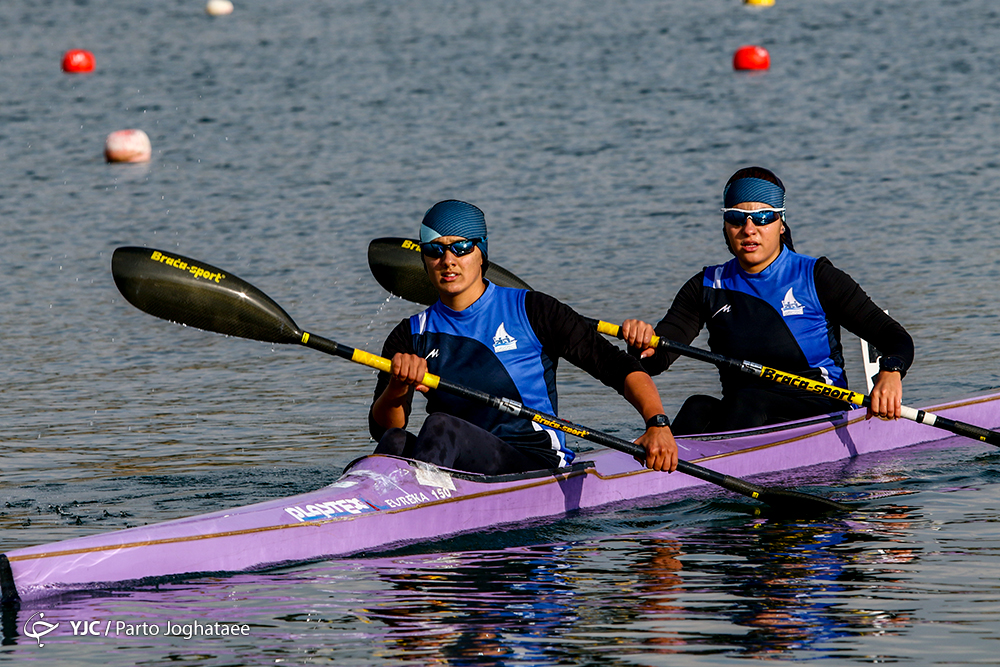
column 381, row 502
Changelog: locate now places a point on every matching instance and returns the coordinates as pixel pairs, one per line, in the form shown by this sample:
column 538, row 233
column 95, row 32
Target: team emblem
column 503, row 341
column 790, row 305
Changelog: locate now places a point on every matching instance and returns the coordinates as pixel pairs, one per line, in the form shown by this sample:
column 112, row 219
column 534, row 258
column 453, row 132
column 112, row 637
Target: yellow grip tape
column 609, row 329
column 373, row 360
column 384, row 365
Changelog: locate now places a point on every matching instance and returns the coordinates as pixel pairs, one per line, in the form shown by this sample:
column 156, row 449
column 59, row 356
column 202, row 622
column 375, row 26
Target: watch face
column 658, row 420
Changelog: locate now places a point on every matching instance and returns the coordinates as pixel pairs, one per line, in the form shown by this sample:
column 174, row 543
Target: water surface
column 597, row 139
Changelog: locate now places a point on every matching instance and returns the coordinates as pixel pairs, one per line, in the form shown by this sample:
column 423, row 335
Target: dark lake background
column 597, row 138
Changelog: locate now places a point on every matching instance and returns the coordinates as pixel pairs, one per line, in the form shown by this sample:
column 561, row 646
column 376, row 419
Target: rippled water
column 597, row 138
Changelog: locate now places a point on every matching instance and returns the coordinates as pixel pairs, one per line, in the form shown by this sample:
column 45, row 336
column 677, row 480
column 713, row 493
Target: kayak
column 382, row 502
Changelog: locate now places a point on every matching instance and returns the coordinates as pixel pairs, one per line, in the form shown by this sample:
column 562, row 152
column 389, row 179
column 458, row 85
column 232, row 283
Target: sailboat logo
column 503, row 341
column 790, row 305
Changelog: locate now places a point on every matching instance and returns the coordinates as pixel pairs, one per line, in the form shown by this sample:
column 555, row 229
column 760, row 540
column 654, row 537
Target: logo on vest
column 790, row 305
column 503, row 341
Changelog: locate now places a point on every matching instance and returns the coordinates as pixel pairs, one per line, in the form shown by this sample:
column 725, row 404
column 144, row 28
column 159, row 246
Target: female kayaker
column 775, row 307
column 505, row 342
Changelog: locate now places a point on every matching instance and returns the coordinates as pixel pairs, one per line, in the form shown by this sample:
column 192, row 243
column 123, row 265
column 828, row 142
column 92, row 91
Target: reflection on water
column 772, row 590
column 798, row 590
column 478, row 608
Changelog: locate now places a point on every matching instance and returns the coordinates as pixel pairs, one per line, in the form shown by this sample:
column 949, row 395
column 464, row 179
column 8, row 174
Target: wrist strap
column 659, row 420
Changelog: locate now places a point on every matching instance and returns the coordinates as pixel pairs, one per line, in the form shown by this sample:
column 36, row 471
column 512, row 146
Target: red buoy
column 78, row 61
column 751, row 57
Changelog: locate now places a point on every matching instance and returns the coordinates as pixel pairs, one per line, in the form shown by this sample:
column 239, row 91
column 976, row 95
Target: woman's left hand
column 639, row 334
column 661, row 449
column 887, row 396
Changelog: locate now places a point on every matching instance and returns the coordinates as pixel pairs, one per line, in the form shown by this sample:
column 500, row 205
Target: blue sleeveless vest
column 773, row 318
column 491, row 346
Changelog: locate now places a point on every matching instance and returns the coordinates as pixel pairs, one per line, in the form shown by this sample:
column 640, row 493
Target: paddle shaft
column 519, row 410
column 813, row 386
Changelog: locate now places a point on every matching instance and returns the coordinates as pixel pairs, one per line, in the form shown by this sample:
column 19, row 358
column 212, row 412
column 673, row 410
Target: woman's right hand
column 408, row 370
column 638, row 334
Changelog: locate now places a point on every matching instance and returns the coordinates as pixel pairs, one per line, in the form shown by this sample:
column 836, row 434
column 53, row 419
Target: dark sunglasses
column 738, row 217
column 458, row 248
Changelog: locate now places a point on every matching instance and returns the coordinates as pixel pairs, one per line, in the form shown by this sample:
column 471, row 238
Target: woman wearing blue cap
column 505, row 342
column 775, row 307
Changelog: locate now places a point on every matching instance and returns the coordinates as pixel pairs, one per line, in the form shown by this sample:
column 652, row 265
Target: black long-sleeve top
column 841, row 298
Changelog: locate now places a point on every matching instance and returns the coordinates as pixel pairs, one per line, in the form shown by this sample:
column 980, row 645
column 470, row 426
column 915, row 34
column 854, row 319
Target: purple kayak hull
column 381, row 501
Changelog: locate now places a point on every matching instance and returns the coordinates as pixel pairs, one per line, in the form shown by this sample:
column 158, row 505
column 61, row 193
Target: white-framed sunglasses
column 738, row 216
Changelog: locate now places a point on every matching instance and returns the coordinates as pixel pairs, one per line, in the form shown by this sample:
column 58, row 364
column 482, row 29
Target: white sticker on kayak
column 428, row 475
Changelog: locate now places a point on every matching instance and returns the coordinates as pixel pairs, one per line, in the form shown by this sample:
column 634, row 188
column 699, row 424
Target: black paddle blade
column 796, row 503
column 190, row 292
column 398, row 267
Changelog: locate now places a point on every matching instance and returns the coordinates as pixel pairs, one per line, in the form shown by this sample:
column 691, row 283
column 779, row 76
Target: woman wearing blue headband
column 505, row 342
column 775, row 307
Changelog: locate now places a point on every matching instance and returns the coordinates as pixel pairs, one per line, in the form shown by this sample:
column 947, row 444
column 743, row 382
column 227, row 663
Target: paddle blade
column 398, row 267
column 190, row 292
column 796, row 503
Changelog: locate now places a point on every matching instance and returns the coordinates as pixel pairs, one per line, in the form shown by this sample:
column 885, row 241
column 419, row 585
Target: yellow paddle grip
column 609, row 329
column 384, row 365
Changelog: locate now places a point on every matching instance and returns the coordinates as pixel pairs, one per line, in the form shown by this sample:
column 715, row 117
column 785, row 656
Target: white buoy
column 219, row 7
column 128, row 146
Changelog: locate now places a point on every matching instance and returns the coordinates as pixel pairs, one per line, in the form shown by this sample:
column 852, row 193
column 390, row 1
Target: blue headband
column 753, row 189
column 454, row 218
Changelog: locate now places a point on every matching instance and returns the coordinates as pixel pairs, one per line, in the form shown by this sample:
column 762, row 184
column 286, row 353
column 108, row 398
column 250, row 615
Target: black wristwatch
column 657, row 421
column 894, row 364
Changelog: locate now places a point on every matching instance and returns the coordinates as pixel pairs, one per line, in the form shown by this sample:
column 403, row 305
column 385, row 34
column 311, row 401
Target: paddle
column 196, row 294
column 821, row 388
column 391, row 265
column 398, row 267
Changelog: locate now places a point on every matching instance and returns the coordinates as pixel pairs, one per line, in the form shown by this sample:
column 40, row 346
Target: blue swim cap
column 454, row 218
